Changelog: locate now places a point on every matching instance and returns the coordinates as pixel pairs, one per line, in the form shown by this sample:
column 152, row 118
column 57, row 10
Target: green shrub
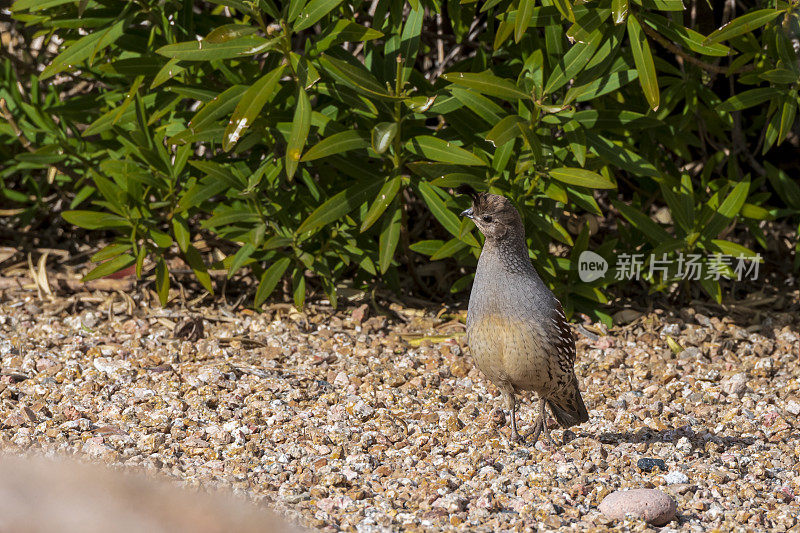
column 315, row 137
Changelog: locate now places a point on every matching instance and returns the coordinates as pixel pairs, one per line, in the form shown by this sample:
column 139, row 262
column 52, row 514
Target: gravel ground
column 345, row 421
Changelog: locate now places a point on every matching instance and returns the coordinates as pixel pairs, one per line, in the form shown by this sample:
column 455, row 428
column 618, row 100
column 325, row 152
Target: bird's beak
column 467, row 213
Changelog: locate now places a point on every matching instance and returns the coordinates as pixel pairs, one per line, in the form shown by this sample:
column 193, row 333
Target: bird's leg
column 541, row 425
column 511, row 405
column 543, row 418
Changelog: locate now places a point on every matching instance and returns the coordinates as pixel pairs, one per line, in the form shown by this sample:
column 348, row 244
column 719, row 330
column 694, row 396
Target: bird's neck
column 511, row 252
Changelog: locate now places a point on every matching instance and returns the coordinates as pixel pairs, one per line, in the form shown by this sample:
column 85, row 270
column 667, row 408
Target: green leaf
column 180, row 229
column 167, row 72
column 109, row 252
column 756, row 212
column 199, row 193
column 381, row 202
column 229, row 32
column 219, row 172
column 109, row 267
column 478, row 104
column 314, row 10
column 205, row 50
column 749, row 98
column 614, row 119
column 733, row 249
column 299, row 285
column 487, row 83
column 162, row 281
column 621, row 156
column 687, row 37
column 297, row 138
column 654, row 233
column 84, row 48
column 240, row 258
column 780, row 75
column 506, row 130
column 729, row 208
column 250, row 106
column 336, row 144
column 565, row 8
column 788, row 111
column 735, row 200
column 344, row 31
column 437, row 149
column 524, row 13
column 358, row 78
column 217, row 107
column 428, row 247
column 195, row 261
column 95, row 219
column 270, row 279
column 448, row 249
column 576, row 138
column 662, row 5
column 446, row 218
column 389, row 237
column 573, row 62
column 619, row 11
column 787, row 188
column 161, row 240
column 295, row 8
column 600, row 86
column 643, row 59
column 681, row 206
column 741, row 25
column 581, row 178
column 340, row 204
column 382, row 136
column 409, row 40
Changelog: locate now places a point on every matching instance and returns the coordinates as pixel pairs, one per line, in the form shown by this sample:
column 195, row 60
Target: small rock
column 648, row 464
column 358, row 316
column 793, row 407
column 675, row 478
column 735, row 385
column 110, row 366
column 651, row 505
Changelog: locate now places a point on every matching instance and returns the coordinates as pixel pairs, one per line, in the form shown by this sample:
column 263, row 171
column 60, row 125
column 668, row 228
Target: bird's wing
column 562, row 339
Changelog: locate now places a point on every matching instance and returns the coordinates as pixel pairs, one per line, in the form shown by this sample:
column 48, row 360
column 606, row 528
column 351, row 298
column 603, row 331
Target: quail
column 516, row 328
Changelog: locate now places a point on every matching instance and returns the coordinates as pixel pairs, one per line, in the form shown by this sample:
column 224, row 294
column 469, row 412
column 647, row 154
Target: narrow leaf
column 487, row 83
column 250, row 106
column 270, row 279
column 643, row 59
column 315, row 10
column 336, row 144
column 741, row 25
column 581, row 177
column 440, row 150
column 297, row 138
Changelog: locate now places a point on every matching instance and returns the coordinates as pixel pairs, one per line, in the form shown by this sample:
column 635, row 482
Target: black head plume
column 468, row 190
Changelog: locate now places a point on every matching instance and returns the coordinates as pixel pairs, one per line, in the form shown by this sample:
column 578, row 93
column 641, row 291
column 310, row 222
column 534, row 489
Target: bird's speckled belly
column 508, row 352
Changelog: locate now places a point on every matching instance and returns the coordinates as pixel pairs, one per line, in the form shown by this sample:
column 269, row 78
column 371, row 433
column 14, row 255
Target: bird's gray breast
column 508, row 325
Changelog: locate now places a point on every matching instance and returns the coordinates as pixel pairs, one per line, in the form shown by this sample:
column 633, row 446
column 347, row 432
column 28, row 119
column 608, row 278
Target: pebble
column 648, row 464
column 651, row 505
column 675, row 478
column 735, row 385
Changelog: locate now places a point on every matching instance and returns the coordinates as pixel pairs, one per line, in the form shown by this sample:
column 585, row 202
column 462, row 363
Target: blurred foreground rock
column 42, row 495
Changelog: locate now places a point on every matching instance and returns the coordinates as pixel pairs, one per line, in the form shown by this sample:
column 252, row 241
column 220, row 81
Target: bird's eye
column 487, row 218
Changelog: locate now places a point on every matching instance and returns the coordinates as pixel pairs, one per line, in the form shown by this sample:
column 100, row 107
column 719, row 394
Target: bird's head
column 494, row 215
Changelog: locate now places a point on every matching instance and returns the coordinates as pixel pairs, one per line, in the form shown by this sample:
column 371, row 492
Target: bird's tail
column 568, row 407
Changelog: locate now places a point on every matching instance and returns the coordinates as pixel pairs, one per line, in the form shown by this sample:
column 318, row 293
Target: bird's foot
column 539, row 428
